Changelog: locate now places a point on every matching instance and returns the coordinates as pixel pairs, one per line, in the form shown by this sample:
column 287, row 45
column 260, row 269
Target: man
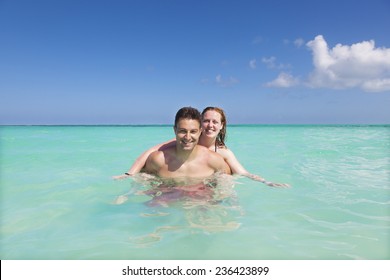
column 185, row 162
column 186, row 158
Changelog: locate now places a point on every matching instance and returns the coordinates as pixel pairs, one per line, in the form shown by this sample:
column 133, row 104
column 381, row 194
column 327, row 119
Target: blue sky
column 138, row 62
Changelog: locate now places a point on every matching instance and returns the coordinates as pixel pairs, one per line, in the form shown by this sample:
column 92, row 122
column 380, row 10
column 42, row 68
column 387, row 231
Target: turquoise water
column 58, row 200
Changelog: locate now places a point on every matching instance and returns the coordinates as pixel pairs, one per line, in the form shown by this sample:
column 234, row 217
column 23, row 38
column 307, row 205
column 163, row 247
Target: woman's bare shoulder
column 226, row 153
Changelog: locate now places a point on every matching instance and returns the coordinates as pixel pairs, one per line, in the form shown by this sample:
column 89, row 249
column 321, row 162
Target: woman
column 212, row 137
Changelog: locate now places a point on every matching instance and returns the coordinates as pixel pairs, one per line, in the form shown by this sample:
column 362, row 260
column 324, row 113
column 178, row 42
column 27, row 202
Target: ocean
column 59, row 201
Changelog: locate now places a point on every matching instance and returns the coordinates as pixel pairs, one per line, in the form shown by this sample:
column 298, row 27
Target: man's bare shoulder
column 202, row 150
column 155, row 160
column 155, row 155
column 217, row 161
column 213, row 158
column 162, row 153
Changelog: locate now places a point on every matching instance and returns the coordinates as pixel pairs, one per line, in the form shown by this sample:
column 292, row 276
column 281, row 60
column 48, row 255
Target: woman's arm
column 139, row 163
column 238, row 169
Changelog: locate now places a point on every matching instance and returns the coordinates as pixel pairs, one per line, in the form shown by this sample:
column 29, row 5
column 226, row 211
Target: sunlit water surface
column 58, row 200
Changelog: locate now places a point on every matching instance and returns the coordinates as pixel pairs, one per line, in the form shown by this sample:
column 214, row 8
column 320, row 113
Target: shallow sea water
column 58, row 200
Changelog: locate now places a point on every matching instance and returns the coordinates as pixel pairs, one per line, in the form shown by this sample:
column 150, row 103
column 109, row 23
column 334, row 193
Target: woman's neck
column 207, row 142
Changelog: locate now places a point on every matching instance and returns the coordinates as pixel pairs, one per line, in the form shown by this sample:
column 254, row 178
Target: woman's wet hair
column 220, row 141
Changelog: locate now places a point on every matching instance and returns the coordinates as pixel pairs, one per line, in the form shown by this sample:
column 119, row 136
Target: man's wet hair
column 188, row 113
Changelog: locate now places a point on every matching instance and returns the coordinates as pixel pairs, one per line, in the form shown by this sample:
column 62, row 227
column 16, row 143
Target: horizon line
column 233, row 124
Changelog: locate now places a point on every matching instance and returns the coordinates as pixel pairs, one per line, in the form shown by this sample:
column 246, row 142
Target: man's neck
column 185, row 155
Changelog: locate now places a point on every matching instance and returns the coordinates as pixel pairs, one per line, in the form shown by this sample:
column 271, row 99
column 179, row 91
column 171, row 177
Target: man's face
column 187, row 134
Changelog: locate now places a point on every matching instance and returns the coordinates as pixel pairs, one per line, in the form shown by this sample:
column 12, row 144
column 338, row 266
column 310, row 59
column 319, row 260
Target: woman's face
column 211, row 123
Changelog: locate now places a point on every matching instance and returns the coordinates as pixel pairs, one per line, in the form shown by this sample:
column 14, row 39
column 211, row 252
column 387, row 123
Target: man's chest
column 192, row 169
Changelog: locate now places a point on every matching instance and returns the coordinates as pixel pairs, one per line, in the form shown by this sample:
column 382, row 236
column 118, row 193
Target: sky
column 139, row 61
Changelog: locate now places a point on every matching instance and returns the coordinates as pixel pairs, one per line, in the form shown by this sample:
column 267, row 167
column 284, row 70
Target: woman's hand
column 262, row 180
column 121, row 177
column 276, row 185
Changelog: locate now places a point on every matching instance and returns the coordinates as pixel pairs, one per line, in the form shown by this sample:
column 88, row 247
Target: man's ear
column 174, row 129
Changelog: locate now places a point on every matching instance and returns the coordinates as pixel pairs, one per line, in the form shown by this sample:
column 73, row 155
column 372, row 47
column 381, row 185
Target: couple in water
column 198, row 151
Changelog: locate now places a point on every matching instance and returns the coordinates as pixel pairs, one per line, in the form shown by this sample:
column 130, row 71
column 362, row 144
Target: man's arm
column 154, row 162
column 217, row 162
column 141, row 160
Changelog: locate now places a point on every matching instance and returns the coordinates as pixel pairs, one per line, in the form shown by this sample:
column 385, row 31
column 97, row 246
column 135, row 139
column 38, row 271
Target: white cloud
column 299, row 42
column 271, row 63
column 252, row 64
column 204, row 81
column 377, row 85
column 360, row 65
column 225, row 82
column 257, row 40
column 225, row 62
column 283, row 80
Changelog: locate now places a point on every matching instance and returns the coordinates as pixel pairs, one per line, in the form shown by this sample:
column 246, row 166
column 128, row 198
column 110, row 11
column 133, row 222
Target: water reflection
column 206, row 205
